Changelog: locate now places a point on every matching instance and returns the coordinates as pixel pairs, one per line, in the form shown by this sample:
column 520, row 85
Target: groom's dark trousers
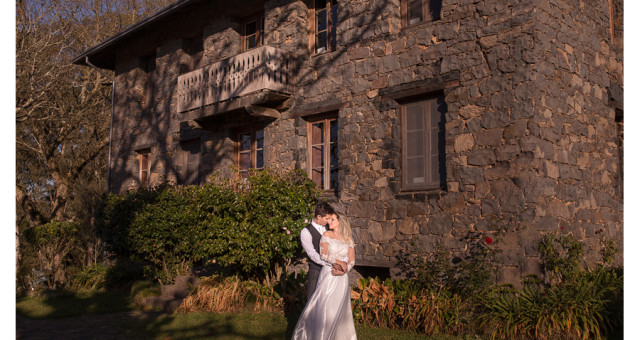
column 314, row 268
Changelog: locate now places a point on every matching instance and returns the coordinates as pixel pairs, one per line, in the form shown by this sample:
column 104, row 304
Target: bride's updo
column 345, row 227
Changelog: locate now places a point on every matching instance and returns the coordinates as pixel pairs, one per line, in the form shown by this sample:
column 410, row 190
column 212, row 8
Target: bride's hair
column 345, row 227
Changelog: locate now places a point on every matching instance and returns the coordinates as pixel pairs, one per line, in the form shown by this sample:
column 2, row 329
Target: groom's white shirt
column 307, row 244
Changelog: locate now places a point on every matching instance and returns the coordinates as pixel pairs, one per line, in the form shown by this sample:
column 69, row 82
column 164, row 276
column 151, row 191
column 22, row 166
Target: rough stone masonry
column 532, row 142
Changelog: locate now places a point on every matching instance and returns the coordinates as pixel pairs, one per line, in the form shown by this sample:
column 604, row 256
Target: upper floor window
column 323, row 151
column 423, row 162
column 144, row 167
column 253, row 33
column 325, row 22
column 250, row 150
column 188, row 162
column 416, row 11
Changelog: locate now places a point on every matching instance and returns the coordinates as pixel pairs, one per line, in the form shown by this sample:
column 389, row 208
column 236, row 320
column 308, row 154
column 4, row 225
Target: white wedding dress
column 327, row 315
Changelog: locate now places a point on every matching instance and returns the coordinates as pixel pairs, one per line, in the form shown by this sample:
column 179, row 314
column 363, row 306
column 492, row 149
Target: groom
column 310, row 237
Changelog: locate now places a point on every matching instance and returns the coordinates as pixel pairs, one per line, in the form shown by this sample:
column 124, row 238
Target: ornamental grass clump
column 280, row 291
column 571, row 303
column 404, row 305
column 217, row 294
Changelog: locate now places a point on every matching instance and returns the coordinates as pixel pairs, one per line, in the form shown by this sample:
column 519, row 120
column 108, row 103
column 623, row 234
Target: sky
column 631, row 141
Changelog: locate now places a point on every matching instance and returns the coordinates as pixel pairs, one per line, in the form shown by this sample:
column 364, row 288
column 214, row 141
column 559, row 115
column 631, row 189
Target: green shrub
column 91, row 277
column 53, row 244
column 246, row 226
column 466, row 274
column 100, row 277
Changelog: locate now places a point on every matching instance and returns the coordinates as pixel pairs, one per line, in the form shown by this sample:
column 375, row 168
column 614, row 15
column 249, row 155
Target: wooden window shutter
column 433, row 125
column 193, row 160
column 323, row 153
column 415, row 142
column 190, row 161
column 423, row 144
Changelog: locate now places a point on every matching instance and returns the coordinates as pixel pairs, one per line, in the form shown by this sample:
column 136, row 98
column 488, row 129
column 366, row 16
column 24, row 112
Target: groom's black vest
column 314, row 268
column 315, row 240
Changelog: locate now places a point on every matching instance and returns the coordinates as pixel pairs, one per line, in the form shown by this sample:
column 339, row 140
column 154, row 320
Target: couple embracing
column 327, row 314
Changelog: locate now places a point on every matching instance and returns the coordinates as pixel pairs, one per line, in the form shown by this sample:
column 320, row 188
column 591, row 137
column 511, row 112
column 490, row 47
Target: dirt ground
column 95, row 326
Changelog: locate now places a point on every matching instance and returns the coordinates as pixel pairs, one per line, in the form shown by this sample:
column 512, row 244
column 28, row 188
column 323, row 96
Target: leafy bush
column 100, row 276
column 91, row 277
column 53, row 243
column 245, row 226
column 466, row 274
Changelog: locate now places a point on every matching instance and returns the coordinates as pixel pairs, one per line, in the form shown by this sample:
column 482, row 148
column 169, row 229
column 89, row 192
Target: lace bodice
column 332, row 250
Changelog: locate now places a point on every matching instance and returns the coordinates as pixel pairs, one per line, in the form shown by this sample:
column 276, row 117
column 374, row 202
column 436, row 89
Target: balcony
column 262, row 68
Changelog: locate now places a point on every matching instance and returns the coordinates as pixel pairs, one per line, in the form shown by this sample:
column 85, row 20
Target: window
column 323, row 152
column 416, row 11
column 250, row 151
column 194, row 49
column 144, row 167
column 252, row 33
column 423, row 144
column 325, row 22
column 148, row 65
column 188, row 162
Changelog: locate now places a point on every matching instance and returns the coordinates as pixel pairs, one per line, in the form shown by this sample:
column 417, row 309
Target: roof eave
column 102, row 49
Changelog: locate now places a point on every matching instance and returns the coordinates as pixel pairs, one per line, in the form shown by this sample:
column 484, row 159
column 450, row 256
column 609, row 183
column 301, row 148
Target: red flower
column 488, row 239
column 562, row 228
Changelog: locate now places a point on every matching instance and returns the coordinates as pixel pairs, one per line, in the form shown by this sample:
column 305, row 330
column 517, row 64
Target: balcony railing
column 261, row 68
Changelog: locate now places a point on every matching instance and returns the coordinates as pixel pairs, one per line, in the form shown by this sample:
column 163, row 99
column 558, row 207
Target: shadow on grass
column 68, row 304
column 210, row 326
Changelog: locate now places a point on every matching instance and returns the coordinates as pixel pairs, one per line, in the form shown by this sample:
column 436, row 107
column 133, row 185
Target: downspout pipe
column 113, row 90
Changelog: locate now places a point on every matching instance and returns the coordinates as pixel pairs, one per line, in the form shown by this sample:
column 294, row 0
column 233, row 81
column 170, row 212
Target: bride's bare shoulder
column 329, row 233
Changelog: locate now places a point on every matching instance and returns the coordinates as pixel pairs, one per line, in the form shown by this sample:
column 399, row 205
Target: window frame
column 260, row 22
column 326, row 119
column 426, row 12
column 432, row 102
column 331, row 26
column 253, row 148
column 144, row 173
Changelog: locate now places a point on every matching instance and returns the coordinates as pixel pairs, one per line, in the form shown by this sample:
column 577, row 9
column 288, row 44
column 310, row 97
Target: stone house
column 426, row 121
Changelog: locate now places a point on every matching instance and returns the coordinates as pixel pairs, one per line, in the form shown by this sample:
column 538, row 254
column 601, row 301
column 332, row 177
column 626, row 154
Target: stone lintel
column 315, row 108
column 419, row 87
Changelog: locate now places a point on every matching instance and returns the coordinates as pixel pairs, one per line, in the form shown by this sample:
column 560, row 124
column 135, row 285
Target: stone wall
column 531, row 141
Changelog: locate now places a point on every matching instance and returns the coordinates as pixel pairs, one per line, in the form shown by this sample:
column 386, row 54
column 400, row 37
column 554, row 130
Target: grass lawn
column 185, row 326
column 245, row 326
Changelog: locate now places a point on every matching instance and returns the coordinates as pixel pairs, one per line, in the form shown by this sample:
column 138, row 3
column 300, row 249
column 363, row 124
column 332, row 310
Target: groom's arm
column 307, row 245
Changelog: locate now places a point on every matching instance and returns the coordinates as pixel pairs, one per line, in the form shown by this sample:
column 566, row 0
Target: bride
column 327, row 315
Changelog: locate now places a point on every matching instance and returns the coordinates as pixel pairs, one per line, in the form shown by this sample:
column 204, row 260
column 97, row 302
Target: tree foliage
column 63, row 114
column 62, row 109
